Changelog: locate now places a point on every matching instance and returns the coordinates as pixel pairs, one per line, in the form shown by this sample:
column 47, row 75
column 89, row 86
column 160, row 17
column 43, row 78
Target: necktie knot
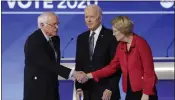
column 50, row 40
column 93, row 33
column 91, row 39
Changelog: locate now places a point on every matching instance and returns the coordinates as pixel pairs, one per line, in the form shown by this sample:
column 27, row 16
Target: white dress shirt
column 97, row 32
column 47, row 37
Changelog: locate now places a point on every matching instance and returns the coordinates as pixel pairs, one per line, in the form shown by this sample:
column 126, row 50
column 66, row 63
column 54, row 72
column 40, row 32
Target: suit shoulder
column 108, row 31
column 140, row 40
column 83, row 34
column 33, row 36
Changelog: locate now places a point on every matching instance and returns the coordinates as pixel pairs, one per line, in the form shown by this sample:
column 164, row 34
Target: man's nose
column 88, row 19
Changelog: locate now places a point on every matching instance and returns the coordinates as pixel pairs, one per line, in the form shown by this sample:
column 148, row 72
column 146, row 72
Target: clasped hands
column 82, row 77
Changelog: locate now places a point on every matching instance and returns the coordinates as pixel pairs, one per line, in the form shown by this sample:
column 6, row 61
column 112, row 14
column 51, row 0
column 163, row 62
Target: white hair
column 96, row 7
column 44, row 18
column 41, row 19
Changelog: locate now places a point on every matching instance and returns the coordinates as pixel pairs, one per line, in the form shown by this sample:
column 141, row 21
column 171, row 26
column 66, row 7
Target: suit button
column 35, row 78
column 142, row 77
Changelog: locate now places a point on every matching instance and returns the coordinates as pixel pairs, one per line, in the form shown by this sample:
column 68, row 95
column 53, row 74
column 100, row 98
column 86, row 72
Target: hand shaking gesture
column 82, row 77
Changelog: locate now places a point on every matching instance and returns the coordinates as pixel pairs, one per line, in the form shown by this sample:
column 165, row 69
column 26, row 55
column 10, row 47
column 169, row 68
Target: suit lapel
column 99, row 43
column 86, row 45
column 44, row 42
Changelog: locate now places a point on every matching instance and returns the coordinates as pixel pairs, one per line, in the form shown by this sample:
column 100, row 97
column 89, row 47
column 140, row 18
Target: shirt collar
column 97, row 31
column 47, row 37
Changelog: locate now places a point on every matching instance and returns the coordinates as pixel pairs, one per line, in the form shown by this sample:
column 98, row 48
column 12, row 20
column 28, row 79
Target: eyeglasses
column 54, row 26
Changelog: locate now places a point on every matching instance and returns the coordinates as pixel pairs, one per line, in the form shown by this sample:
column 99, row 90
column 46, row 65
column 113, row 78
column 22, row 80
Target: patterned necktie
column 91, row 45
column 51, row 44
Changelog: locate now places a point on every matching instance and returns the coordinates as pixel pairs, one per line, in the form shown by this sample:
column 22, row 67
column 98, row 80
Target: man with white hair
column 42, row 61
column 95, row 49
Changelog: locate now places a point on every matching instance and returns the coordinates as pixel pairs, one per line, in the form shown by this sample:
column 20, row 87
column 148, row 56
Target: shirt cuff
column 95, row 76
column 71, row 73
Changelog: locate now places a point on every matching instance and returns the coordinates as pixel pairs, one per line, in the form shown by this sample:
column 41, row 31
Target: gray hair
column 94, row 6
column 44, row 18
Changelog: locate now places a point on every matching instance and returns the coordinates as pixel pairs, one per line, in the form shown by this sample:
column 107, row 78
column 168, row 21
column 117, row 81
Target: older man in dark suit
column 42, row 61
column 95, row 49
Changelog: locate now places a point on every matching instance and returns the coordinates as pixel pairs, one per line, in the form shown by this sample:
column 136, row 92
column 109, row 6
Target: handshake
column 82, row 77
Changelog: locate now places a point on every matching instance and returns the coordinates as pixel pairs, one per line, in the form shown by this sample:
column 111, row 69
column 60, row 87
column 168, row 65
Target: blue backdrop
column 152, row 21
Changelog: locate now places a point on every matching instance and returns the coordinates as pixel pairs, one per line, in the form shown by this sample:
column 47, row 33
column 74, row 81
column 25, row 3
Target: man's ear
column 100, row 18
column 41, row 24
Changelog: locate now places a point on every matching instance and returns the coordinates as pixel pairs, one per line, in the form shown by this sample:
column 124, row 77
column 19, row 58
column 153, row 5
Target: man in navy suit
column 95, row 49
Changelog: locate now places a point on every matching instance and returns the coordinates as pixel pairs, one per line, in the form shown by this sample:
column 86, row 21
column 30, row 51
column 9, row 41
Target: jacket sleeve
column 35, row 53
column 109, row 69
column 148, row 66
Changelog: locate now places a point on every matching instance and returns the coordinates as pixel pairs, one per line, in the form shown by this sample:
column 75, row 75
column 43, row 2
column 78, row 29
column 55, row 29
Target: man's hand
column 107, row 95
column 145, row 97
column 76, row 74
column 79, row 94
column 82, row 77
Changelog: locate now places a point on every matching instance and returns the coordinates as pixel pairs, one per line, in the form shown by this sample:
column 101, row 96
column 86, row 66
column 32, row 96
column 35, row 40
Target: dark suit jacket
column 103, row 54
column 41, row 69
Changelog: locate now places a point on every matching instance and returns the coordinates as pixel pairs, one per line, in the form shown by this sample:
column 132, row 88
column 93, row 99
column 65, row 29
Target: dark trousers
column 130, row 95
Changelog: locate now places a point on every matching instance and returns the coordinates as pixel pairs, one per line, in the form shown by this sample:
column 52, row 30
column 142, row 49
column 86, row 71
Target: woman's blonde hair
column 123, row 24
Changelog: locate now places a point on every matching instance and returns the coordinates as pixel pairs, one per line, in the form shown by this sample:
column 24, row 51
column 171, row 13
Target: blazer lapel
column 99, row 43
column 45, row 43
column 86, row 43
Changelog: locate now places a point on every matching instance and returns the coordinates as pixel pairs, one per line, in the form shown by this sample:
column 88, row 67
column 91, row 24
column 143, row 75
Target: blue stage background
column 157, row 29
